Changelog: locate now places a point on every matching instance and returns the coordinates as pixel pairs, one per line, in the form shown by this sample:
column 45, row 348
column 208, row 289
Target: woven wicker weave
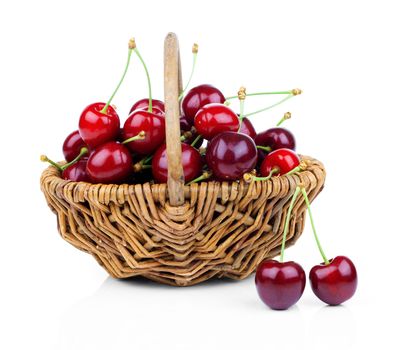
column 176, row 234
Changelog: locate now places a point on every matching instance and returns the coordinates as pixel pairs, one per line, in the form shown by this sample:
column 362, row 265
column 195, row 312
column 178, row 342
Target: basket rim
column 51, row 178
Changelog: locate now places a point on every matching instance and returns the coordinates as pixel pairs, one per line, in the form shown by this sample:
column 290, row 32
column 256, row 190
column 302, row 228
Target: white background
column 355, row 61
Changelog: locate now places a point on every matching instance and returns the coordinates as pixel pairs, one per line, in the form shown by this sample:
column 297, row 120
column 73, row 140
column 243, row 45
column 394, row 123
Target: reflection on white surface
column 215, row 314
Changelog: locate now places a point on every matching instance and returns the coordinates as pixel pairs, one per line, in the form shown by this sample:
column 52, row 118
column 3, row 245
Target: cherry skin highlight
column 198, row 97
column 280, row 284
column 336, row 282
column 110, row 163
column 230, row 155
column 154, row 127
column 143, row 104
column 97, row 128
column 77, row 171
column 282, row 159
column 191, row 161
column 276, row 138
column 215, row 118
column 72, row 146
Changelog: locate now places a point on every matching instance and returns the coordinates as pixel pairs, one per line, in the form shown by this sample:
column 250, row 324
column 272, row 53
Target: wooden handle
column 172, row 86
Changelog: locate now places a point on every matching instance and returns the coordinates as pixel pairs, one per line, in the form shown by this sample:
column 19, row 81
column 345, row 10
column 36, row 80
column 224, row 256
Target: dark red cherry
column 215, row 118
column 190, row 159
column 72, row 146
column 96, row 127
column 335, row 282
column 280, row 284
column 198, row 97
column 143, row 104
column 154, row 127
column 77, row 171
column 110, row 163
column 276, row 138
column 247, row 128
column 185, row 124
column 284, row 160
column 230, row 155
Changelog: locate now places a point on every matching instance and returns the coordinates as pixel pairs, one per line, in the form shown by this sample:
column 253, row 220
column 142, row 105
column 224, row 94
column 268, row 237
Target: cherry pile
column 105, row 150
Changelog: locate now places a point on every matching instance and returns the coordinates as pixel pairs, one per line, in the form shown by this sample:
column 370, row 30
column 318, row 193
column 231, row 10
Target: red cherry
column 247, row 128
column 230, row 155
column 198, row 97
column 143, row 104
column 110, row 163
column 77, row 171
column 190, row 159
column 283, row 160
column 96, row 127
column 336, row 282
column 185, row 124
column 154, row 127
column 72, row 146
column 280, row 284
column 276, row 138
column 215, row 118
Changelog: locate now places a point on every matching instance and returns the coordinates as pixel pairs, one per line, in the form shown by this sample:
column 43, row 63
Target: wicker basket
column 176, row 234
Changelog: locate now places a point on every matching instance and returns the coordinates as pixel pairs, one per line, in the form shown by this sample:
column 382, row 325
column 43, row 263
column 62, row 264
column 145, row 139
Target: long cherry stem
column 206, row 175
column 83, row 151
column 287, row 222
column 196, row 140
column 303, row 191
column 104, row 109
column 289, row 92
column 195, row 52
column 271, row 106
column 248, row 177
column 301, row 167
column 147, row 77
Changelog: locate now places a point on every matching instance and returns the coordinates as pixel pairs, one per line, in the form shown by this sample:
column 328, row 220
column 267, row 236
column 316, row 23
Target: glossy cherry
column 280, row 284
column 247, row 128
column 143, row 104
column 283, row 160
column 190, row 159
column 198, row 97
column 77, row 171
column 215, row 118
column 152, row 124
column 72, row 146
column 96, row 127
column 185, row 124
column 110, row 163
column 230, row 155
column 276, row 138
column 335, row 282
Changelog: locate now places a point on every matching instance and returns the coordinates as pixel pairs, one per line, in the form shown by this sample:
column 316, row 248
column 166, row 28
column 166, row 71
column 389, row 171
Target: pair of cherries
column 281, row 284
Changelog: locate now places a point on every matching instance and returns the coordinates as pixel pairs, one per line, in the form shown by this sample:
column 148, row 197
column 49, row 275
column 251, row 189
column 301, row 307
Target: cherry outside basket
column 176, row 234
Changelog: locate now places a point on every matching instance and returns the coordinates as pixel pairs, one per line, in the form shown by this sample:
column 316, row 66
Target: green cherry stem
column 148, row 159
column 147, row 77
column 271, row 106
column 287, row 222
column 288, row 92
column 248, row 177
column 196, row 140
column 195, row 52
column 264, row 148
column 140, row 136
column 83, row 151
column 286, row 116
column 104, row 109
column 303, row 191
column 206, row 175
column 301, row 167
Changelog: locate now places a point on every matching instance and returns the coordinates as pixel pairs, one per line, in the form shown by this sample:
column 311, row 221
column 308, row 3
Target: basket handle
column 172, row 86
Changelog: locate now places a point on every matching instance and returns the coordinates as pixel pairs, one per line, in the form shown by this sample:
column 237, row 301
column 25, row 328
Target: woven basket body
column 176, row 234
